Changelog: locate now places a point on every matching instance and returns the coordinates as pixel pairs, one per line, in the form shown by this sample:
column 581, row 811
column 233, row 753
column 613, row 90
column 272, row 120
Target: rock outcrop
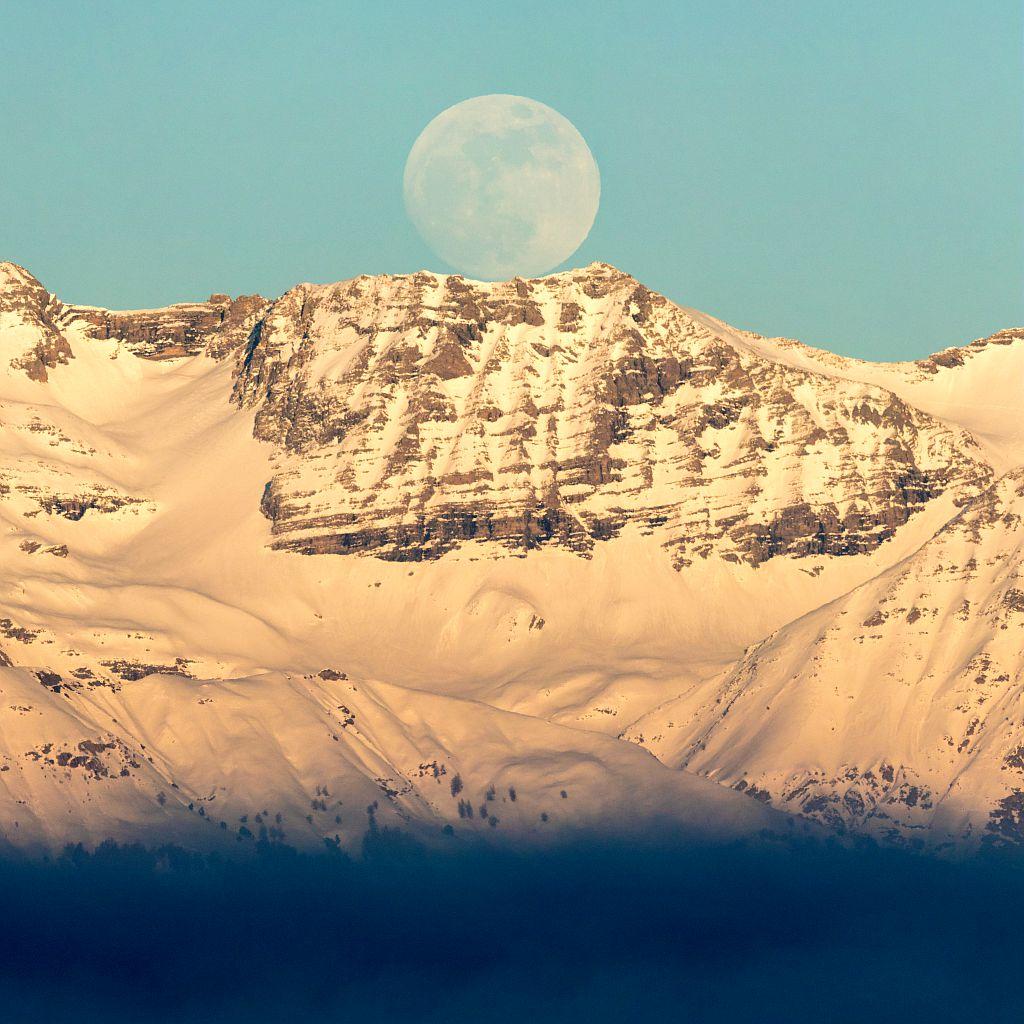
column 215, row 327
column 32, row 339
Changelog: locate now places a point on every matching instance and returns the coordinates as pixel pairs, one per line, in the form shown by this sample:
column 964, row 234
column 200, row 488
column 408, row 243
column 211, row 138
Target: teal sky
column 849, row 174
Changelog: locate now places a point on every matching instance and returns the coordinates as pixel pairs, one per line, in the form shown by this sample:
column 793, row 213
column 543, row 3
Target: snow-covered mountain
column 426, row 551
column 903, row 697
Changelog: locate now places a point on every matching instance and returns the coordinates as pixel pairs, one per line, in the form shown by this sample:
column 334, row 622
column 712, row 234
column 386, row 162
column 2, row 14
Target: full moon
column 502, row 186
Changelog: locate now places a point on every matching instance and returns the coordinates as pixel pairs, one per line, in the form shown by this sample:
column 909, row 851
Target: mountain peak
column 19, row 289
column 424, row 277
column 13, row 274
column 959, row 355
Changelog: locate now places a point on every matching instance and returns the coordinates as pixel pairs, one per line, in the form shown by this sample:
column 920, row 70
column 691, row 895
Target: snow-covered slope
column 309, row 759
column 979, row 387
column 565, row 508
column 896, row 708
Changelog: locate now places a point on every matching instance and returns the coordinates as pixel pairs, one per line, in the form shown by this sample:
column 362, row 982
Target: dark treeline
column 595, row 931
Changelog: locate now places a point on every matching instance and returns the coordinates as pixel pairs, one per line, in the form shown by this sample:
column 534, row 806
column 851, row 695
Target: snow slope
column 895, row 708
column 501, row 527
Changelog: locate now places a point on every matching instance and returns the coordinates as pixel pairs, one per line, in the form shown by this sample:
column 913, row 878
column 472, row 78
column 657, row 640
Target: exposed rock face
column 414, row 414
column 958, row 356
column 215, row 327
column 32, row 340
column 30, row 315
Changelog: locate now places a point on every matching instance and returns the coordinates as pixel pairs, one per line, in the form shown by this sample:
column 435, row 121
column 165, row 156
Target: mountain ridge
column 567, row 499
column 940, row 358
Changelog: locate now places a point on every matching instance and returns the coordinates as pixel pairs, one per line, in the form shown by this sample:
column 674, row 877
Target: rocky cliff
column 415, row 414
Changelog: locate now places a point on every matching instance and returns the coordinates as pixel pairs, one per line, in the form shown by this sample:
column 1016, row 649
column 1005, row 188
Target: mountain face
column 907, row 691
column 580, row 526
column 415, row 414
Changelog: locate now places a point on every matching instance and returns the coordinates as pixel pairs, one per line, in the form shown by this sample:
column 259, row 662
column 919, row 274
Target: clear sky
column 849, row 174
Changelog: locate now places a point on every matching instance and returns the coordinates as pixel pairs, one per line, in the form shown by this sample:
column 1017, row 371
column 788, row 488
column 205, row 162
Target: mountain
column 415, row 414
column 894, row 709
column 426, row 552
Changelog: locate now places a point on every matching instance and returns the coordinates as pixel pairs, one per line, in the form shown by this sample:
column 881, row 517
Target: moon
column 502, row 186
